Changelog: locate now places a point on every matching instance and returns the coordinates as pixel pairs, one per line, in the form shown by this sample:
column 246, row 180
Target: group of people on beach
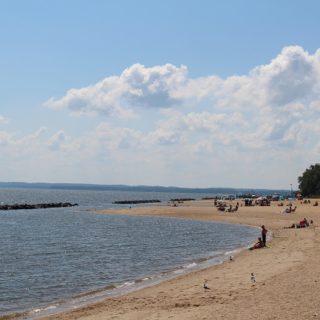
column 302, row 224
column 262, row 241
column 222, row 206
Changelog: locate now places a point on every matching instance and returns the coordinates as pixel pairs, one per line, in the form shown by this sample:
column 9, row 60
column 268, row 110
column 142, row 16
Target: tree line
column 309, row 181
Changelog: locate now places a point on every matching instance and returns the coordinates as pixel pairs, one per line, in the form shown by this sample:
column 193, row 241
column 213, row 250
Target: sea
column 57, row 259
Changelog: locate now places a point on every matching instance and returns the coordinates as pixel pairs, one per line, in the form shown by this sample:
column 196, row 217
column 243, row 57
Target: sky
column 172, row 93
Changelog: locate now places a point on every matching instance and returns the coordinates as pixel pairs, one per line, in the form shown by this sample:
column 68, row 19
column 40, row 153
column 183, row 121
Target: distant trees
column 309, row 182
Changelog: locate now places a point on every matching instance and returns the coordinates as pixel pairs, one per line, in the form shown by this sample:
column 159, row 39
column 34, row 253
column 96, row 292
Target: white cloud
column 5, row 138
column 185, row 128
column 24, row 143
column 114, row 138
column 3, row 120
column 275, row 95
column 137, row 86
column 57, row 141
column 290, row 77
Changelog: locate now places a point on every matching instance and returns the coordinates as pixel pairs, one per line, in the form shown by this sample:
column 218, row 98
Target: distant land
column 98, row 187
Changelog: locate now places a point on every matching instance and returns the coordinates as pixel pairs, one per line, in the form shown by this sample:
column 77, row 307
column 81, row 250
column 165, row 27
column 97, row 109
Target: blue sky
column 184, row 93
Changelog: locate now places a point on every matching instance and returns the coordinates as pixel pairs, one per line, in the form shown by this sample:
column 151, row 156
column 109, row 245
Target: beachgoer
column 264, row 235
column 291, row 227
column 257, row 245
column 303, row 223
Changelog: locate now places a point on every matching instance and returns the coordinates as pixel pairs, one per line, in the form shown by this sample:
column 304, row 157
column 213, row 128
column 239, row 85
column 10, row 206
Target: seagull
column 253, row 278
column 230, row 258
column 205, row 285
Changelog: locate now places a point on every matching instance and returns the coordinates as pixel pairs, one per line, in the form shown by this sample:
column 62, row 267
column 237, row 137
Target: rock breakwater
column 135, row 201
column 19, row 206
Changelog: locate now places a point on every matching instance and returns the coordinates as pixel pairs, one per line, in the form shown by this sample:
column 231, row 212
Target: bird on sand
column 253, row 278
column 205, row 285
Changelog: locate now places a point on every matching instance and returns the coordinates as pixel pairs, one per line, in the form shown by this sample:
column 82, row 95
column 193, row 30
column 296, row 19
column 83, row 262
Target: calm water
column 58, row 258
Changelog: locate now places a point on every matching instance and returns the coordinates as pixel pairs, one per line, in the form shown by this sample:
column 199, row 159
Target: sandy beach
column 287, row 273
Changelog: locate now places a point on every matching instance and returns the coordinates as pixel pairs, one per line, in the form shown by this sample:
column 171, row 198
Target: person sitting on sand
column 235, row 208
column 221, row 207
column 302, row 224
column 291, row 227
column 257, row 245
column 286, row 210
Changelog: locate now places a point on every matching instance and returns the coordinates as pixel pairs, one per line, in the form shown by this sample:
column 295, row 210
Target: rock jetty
column 18, row 206
column 135, row 201
column 182, row 199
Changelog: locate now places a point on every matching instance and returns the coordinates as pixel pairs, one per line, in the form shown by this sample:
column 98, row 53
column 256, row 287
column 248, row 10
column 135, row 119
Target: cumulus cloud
column 137, row 86
column 292, row 76
column 291, row 79
column 57, row 140
column 112, row 138
column 269, row 114
column 25, row 142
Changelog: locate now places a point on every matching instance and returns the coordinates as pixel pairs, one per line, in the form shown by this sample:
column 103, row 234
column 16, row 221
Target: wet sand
column 287, row 273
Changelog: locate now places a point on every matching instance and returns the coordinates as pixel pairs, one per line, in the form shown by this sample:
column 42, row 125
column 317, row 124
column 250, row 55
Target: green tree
column 309, row 182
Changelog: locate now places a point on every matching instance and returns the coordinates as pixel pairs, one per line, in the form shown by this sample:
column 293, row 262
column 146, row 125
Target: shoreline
column 231, row 293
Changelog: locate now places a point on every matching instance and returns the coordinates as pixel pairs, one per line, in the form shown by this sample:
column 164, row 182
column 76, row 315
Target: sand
column 287, row 274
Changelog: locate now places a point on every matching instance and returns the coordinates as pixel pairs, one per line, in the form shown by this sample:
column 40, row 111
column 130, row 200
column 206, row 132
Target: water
column 52, row 259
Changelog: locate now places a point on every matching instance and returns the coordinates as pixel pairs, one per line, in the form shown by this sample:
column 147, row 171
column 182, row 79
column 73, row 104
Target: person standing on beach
column 264, row 235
